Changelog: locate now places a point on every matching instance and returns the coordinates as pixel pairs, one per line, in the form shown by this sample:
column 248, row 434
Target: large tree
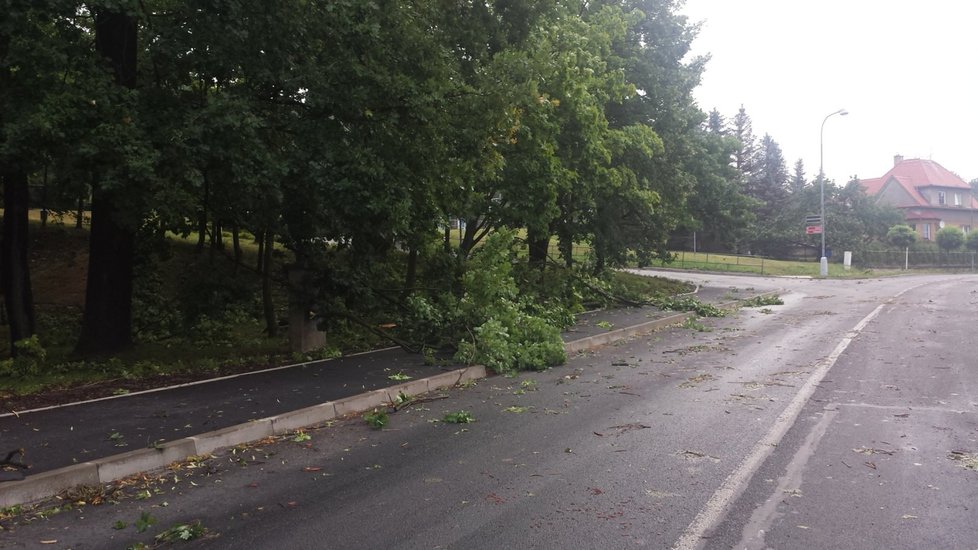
column 655, row 54
column 107, row 321
column 741, row 128
column 40, row 65
column 797, row 182
column 15, row 86
column 719, row 211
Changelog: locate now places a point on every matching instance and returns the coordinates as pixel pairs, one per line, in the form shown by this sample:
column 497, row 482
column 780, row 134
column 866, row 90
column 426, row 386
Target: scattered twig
column 416, row 401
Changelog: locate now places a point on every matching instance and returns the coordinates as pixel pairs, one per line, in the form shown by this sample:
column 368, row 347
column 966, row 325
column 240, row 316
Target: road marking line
column 715, row 509
column 906, row 408
column 189, row 384
column 763, row 517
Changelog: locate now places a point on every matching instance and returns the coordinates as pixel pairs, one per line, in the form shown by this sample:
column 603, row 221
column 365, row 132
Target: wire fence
column 914, row 259
column 707, row 261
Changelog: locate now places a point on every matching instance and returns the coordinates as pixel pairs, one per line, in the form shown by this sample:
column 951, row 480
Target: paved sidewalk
column 113, row 437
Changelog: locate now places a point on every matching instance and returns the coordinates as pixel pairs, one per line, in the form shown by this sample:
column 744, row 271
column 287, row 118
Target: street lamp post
column 823, row 266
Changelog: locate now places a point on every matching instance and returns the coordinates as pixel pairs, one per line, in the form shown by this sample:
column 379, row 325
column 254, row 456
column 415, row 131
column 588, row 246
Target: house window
column 957, row 199
column 927, row 231
column 941, row 197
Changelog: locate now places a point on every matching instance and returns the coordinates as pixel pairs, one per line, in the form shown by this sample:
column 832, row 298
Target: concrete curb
column 48, row 484
column 612, row 336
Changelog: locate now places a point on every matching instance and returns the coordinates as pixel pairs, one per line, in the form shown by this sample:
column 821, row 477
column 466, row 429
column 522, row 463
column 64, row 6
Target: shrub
column 950, row 238
column 155, row 317
column 503, row 331
column 209, row 290
column 901, row 235
column 972, row 241
column 29, row 360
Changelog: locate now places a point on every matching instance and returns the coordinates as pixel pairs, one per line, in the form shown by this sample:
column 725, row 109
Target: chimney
column 897, row 159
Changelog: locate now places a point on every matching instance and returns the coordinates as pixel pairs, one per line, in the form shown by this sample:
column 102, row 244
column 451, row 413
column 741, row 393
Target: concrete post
column 304, row 333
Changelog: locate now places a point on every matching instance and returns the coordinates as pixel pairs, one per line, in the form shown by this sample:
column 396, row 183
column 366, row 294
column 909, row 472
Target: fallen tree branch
column 417, row 401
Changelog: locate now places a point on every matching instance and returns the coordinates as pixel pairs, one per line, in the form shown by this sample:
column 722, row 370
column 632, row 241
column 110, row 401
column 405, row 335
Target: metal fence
column 914, row 259
column 715, row 262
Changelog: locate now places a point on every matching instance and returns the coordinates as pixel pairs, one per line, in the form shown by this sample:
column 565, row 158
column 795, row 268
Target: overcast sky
column 907, row 72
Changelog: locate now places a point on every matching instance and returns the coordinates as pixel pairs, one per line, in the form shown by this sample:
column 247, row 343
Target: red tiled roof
column 926, row 173
column 914, row 174
column 872, row 186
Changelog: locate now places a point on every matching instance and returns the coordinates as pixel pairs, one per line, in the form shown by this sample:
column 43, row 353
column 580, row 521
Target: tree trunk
column 260, row 238
column 566, row 244
column 80, row 213
column 217, row 235
column 107, row 321
column 467, row 241
column 14, row 267
column 538, row 249
column 236, row 241
column 411, row 277
column 271, row 323
column 202, row 214
column 599, row 261
column 44, row 200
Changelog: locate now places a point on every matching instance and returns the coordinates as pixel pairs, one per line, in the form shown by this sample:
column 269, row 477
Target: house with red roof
column 930, row 196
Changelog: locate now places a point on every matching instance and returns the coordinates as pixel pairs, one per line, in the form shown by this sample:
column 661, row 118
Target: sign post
column 813, row 225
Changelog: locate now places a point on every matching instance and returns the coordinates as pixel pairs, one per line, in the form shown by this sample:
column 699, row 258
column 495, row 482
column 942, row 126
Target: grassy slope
column 59, row 262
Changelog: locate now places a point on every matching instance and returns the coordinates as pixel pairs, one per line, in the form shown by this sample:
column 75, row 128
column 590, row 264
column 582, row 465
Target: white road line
column 908, row 408
column 762, row 518
column 715, row 509
column 187, row 384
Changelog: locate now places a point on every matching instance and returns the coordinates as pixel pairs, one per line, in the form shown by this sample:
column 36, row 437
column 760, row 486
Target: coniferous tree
column 716, row 123
column 741, row 129
column 769, row 179
column 797, row 183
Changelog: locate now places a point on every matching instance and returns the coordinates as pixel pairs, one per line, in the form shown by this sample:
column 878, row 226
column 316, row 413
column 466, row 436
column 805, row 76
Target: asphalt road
column 845, row 418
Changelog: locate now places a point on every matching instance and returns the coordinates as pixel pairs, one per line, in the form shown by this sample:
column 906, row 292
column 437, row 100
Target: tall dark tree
column 34, row 48
column 797, row 182
column 719, row 211
column 716, row 123
column 655, row 54
column 745, row 156
column 767, row 184
column 769, row 179
column 15, row 278
column 107, row 320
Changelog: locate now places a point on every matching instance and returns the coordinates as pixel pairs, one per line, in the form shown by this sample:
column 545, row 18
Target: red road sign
column 813, row 229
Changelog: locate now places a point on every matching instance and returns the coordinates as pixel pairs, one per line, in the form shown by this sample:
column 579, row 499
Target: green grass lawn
column 766, row 266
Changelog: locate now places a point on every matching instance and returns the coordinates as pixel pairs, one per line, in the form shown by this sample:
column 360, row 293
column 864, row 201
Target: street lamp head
column 843, row 112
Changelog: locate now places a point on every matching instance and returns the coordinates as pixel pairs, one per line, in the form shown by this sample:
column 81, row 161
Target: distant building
column 930, row 196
